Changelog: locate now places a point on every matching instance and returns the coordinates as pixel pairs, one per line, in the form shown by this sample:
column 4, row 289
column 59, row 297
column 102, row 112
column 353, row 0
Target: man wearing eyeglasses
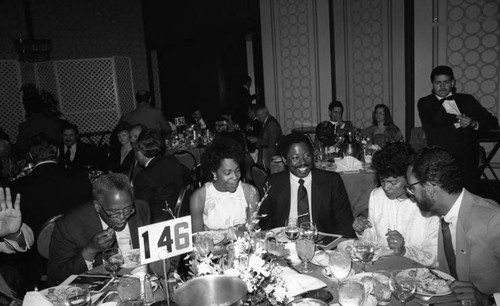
column 110, row 220
column 451, row 120
column 469, row 236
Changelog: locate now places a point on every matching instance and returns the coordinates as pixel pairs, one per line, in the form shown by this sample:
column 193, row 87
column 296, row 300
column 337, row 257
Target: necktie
column 446, row 98
column 67, row 158
column 302, row 203
column 448, row 248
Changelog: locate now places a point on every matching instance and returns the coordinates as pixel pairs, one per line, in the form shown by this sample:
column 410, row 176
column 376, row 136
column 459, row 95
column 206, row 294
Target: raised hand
column 10, row 215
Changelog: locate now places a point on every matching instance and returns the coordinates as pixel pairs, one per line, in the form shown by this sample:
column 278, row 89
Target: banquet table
column 196, row 151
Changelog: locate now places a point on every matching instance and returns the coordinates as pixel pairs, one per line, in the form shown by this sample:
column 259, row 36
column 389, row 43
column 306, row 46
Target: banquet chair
column 182, row 206
column 186, row 158
column 197, row 177
column 259, row 176
column 43, row 240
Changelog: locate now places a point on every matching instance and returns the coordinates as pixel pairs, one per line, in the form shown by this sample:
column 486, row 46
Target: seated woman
column 383, row 129
column 223, row 201
column 122, row 159
column 397, row 221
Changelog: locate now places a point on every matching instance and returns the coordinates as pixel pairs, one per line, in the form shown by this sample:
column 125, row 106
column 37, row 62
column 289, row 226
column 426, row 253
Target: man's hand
column 396, row 242
column 464, row 121
column 10, row 215
column 468, row 294
column 360, row 224
column 98, row 243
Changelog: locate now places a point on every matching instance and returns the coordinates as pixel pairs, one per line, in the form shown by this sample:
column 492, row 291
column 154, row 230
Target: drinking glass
column 351, row 293
column 309, row 230
column 78, row 295
column 129, row 288
column 305, row 250
column 382, row 287
column 364, row 252
column 340, row 264
column 403, row 285
column 291, row 229
column 112, row 260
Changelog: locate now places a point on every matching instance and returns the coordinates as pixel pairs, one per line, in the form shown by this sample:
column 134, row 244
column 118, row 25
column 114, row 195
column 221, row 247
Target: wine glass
column 403, row 285
column 112, row 260
column 305, row 250
column 309, row 230
column 382, row 287
column 351, row 293
column 364, row 251
column 78, row 295
column 291, row 229
column 340, row 264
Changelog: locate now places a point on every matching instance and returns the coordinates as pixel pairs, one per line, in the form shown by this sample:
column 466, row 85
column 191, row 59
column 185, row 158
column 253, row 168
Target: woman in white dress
column 224, row 201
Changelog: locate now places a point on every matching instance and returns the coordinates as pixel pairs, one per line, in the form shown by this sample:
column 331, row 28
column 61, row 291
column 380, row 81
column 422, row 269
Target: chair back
column 43, row 240
column 197, row 177
column 259, row 176
column 186, row 158
column 182, row 206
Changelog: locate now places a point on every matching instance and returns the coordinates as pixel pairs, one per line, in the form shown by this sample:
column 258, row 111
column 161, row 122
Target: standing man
column 306, row 193
column 469, row 236
column 147, row 115
column 269, row 135
column 162, row 176
column 327, row 130
column 451, row 120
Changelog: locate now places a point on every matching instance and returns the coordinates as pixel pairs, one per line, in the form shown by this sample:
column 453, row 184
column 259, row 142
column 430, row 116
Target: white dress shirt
column 72, row 151
column 451, row 108
column 452, row 219
column 294, row 187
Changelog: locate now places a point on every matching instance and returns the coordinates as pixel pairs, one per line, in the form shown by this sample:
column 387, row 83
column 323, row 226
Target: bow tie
column 447, row 98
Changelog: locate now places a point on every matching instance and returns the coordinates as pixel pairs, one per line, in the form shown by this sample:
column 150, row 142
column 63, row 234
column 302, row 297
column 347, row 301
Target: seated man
column 396, row 220
column 306, row 193
column 162, row 177
column 327, row 131
column 110, row 220
column 74, row 154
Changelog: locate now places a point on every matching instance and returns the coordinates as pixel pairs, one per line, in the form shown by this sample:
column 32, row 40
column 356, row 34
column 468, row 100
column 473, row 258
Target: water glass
column 129, row 288
column 340, row 264
column 78, row 295
column 309, row 230
column 291, row 229
column 382, row 287
column 364, row 251
column 351, row 293
column 305, row 250
column 403, row 285
column 112, row 260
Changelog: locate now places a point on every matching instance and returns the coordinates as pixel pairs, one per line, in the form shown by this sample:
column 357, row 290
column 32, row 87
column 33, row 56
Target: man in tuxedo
column 305, row 193
column 452, row 120
column 111, row 219
column 162, row 176
column 327, row 130
column 469, row 236
column 269, row 135
column 74, row 154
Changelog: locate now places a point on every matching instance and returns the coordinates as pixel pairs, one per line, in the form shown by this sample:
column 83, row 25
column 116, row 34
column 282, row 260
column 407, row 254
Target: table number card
column 179, row 121
column 165, row 239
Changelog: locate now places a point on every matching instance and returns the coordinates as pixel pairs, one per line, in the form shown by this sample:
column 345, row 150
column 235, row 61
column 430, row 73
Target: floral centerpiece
column 245, row 257
column 368, row 148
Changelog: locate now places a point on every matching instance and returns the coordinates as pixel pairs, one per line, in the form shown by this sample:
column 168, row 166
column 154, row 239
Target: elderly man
column 327, row 130
column 306, row 193
column 162, row 177
column 451, row 120
column 110, row 220
column 147, row 115
column 269, row 135
column 469, row 240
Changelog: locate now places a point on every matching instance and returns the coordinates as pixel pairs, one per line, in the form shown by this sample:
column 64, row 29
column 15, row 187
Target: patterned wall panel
column 27, row 73
column 473, row 38
column 297, row 70
column 11, row 105
column 367, row 59
column 126, row 101
column 46, row 77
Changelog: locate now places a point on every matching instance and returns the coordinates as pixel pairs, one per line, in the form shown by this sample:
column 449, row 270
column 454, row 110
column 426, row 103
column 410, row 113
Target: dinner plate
column 424, row 277
column 55, row 294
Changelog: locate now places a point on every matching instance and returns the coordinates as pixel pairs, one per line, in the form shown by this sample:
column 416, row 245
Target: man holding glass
column 306, row 194
column 110, row 220
column 469, row 240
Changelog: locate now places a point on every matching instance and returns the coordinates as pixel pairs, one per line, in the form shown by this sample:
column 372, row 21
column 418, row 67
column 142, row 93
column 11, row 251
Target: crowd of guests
column 422, row 209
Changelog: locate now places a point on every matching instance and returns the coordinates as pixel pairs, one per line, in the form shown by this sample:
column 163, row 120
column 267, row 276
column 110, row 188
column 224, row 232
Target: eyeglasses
column 409, row 188
column 118, row 213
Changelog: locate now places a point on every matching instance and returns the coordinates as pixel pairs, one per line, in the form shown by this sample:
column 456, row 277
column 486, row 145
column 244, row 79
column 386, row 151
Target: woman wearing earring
column 224, row 200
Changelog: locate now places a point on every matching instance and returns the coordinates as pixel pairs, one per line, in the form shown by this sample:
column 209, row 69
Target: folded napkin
column 36, row 298
column 349, row 163
column 297, row 283
column 292, row 255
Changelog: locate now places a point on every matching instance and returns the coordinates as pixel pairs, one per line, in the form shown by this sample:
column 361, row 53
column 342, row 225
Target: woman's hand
column 360, row 224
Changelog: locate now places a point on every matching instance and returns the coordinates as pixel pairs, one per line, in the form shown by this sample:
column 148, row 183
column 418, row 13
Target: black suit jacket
column 73, row 232
column 85, row 155
column 331, row 210
column 160, row 181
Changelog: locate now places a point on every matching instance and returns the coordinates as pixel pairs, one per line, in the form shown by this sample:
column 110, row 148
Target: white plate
column 443, row 275
column 315, row 258
column 369, row 284
column 55, row 294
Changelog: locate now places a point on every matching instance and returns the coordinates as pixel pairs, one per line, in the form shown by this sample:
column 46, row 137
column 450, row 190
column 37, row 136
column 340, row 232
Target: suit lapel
column 315, row 187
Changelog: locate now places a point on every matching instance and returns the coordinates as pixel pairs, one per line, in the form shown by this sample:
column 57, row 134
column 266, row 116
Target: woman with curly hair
column 224, row 200
column 383, row 130
column 396, row 219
